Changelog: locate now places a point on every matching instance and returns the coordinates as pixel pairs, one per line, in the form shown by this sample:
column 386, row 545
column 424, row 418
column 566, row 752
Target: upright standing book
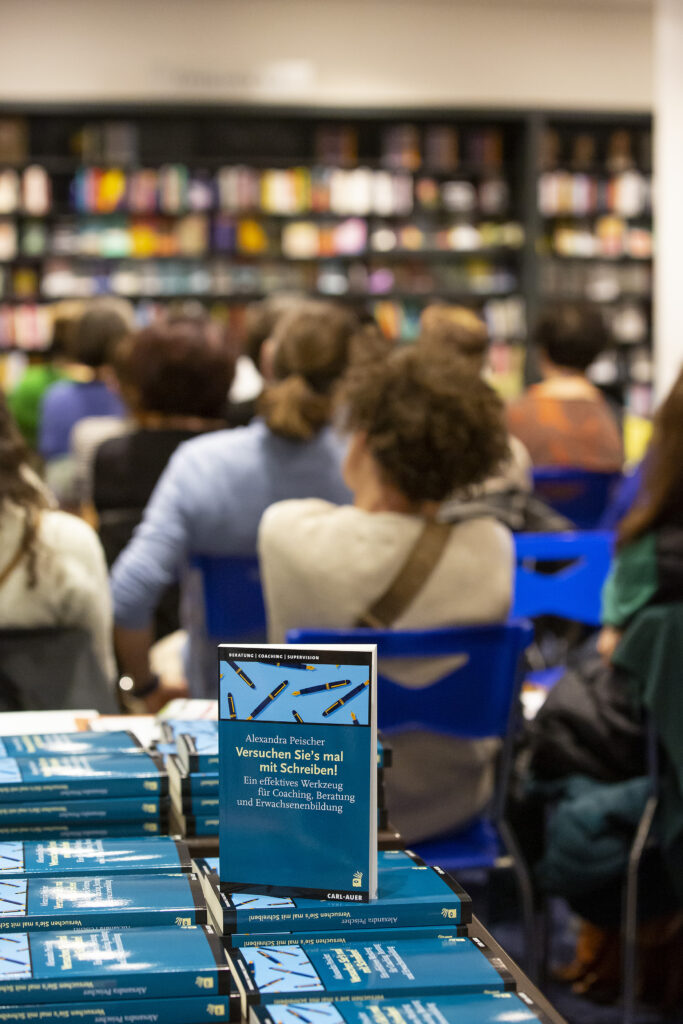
column 298, row 771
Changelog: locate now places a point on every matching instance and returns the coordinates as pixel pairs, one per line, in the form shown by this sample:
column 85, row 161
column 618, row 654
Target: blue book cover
column 395, row 968
column 418, row 896
column 38, row 859
column 472, row 1008
column 88, row 775
column 125, row 808
column 61, row 744
column 91, row 901
column 107, row 830
column 198, row 753
column 90, row 966
column 172, row 727
column 184, row 1009
column 298, row 771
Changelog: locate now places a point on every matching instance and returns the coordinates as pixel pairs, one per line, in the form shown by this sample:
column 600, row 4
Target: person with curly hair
column 421, row 426
column 52, row 567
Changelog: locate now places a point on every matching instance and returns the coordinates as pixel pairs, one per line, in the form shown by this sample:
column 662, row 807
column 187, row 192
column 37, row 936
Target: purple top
column 67, row 402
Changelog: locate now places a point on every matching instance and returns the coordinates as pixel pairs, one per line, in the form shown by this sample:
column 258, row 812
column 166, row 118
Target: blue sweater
column 210, row 499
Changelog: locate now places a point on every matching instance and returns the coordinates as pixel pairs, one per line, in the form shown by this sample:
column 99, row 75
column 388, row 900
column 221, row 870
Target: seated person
column 589, row 734
column 420, row 427
column 215, row 488
column 458, row 332
column 564, row 420
column 44, row 369
column 97, row 332
column 52, row 568
column 173, row 378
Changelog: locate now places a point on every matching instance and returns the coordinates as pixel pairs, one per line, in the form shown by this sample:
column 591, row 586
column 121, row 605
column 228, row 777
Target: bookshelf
column 387, row 210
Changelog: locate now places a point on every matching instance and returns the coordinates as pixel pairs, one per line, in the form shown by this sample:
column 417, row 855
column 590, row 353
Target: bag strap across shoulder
column 22, row 548
column 411, row 577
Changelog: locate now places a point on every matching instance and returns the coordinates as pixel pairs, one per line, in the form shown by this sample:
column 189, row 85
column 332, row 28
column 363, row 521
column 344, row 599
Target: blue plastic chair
column 476, row 700
column 233, row 599
column 579, row 494
column 573, row 592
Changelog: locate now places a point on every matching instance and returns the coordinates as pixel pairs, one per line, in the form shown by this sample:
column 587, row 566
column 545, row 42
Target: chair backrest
column 473, row 700
column 233, row 599
column 46, row 668
column 579, row 494
column 573, row 591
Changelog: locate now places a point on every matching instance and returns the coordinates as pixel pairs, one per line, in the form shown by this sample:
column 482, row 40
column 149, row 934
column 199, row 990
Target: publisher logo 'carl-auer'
column 357, row 879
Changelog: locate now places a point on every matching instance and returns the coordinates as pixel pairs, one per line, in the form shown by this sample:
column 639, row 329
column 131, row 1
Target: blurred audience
column 587, row 744
column 44, row 369
column 90, row 350
column 212, row 494
column 248, row 382
column 173, row 378
column 53, row 571
column 458, row 333
column 421, row 426
column 564, row 420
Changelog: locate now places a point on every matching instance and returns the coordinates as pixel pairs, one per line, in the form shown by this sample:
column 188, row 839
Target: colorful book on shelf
column 92, row 775
column 107, row 963
column 197, row 1009
column 409, row 895
column 73, row 901
column 298, row 762
column 92, row 830
column 401, row 967
column 80, row 811
column 473, row 1008
column 43, row 858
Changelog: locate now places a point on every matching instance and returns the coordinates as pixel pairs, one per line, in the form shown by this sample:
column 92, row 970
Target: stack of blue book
column 80, row 785
column 404, row 958
column 193, row 776
column 116, row 975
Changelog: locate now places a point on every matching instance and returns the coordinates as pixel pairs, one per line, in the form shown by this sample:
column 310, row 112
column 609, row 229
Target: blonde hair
column 312, row 347
column 457, row 329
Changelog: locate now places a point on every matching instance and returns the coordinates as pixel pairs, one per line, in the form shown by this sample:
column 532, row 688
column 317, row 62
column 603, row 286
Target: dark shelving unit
column 472, row 232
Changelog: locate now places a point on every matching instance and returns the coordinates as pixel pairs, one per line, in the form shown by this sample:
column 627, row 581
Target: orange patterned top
column 565, row 421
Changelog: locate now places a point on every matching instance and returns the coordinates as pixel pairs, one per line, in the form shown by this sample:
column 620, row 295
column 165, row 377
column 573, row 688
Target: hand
column 608, row 641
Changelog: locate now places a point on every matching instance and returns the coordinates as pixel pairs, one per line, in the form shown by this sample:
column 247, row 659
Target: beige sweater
column 323, row 565
column 72, row 587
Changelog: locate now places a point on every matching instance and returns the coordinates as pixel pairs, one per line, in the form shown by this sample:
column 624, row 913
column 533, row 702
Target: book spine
column 86, row 788
column 73, row 811
column 409, row 914
column 198, row 1009
column 336, row 938
column 64, row 831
